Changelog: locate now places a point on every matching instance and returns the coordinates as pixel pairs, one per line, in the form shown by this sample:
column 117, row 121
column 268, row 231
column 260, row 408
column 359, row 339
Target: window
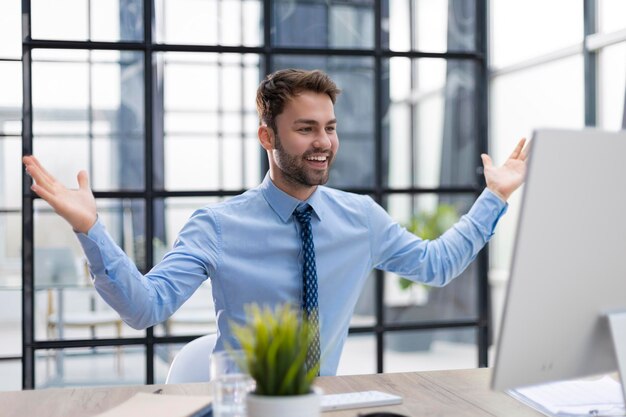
column 155, row 99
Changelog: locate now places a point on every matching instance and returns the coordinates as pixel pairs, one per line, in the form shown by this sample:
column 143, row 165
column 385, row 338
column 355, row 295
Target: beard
column 294, row 167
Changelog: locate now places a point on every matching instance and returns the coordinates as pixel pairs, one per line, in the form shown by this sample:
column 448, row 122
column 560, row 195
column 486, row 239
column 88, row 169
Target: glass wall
column 155, row 100
column 10, row 195
column 542, row 78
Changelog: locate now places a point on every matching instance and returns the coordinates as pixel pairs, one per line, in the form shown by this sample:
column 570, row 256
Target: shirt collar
column 284, row 204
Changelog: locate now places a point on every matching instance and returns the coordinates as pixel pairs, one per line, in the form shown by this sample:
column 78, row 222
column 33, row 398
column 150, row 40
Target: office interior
column 155, row 99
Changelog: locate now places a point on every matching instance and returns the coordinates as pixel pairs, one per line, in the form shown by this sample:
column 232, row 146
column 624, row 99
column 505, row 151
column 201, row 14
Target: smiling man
column 291, row 239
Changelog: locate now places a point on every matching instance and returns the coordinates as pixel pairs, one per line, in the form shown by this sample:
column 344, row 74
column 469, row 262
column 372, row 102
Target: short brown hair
column 279, row 87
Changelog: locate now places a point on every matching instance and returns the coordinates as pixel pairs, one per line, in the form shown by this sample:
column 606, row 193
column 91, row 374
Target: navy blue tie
column 309, row 282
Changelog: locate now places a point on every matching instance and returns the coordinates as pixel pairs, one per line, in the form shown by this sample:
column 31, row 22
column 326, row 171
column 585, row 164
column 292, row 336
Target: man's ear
column 266, row 136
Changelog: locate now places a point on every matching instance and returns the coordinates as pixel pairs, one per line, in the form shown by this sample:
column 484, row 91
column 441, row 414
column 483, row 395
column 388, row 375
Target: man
column 256, row 247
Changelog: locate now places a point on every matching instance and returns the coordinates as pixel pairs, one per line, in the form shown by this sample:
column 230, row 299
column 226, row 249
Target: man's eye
column 305, row 129
column 331, row 128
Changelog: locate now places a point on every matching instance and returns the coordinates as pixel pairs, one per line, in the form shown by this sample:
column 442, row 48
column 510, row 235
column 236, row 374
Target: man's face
column 306, row 140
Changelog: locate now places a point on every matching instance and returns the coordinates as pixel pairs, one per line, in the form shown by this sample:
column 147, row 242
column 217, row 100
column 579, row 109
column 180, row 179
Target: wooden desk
column 441, row 393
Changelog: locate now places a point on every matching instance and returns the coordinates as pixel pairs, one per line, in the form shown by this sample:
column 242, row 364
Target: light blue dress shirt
column 250, row 248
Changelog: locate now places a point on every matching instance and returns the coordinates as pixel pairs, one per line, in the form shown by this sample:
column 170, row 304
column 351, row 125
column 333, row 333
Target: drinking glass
column 230, row 384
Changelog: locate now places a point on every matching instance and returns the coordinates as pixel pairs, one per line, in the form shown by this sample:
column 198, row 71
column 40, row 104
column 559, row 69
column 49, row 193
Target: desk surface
column 458, row 393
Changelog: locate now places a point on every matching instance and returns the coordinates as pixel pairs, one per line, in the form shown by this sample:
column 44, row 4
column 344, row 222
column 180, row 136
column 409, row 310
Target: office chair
column 191, row 364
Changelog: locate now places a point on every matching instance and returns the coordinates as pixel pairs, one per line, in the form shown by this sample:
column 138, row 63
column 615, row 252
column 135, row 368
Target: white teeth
column 317, row 158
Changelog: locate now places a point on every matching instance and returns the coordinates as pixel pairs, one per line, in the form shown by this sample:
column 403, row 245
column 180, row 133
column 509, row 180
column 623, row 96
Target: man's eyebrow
column 313, row 122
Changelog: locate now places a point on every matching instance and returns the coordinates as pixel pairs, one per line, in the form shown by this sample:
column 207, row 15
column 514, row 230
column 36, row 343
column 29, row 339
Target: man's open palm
column 507, row 178
column 78, row 207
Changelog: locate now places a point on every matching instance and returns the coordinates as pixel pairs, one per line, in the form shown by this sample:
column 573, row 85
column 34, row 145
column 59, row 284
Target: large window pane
column 612, row 87
column 432, row 26
column 210, row 22
column 11, row 372
column 525, row 29
column 88, row 106
column 10, row 169
column 414, row 303
column 10, row 29
column 11, row 252
column 164, row 354
column 358, row 356
column 354, row 163
column 611, row 15
column 197, row 315
column 430, row 350
column 323, row 24
column 66, row 303
column 364, row 311
column 11, row 98
column 549, row 95
column 82, row 20
column 76, row 367
column 10, row 318
column 210, row 121
column 431, row 122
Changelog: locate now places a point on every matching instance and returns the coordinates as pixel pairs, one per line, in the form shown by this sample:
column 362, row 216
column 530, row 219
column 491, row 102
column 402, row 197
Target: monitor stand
column 617, row 324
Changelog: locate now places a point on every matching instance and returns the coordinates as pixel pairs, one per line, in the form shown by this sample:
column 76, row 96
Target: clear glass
column 323, row 24
column 76, row 367
column 548, row 96
column 358, row 356
column 88, row 107
column 11, row 372
column 521, row 30
column 66, row 303
column 364, row 311
column 612, row 87
column 11, row 251
column 164, row 354
column 10, row 29
column 197, row 315
column 230, row 383
column 87, row 20
column 430, row 350
column 10, row 172
column 611, row 15
column 431, row 26
column 210, row 22
column 354, row 163
column 11, row 98
column 430, row 124
column 418, row 303
column 10, row 321
column 209, row 110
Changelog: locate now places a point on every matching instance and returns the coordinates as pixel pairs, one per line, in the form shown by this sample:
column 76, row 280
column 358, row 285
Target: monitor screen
column 569, row 261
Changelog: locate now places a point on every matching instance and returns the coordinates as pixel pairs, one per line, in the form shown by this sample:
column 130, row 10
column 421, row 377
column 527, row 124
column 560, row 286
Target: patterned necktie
column 309, row 278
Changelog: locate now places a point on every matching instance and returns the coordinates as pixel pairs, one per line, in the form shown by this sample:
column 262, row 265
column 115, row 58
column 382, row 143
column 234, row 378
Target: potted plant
column 428, row 225
column 275, row 344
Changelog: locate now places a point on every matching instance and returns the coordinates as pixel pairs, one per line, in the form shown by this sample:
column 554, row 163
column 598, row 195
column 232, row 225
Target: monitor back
column 569, row 261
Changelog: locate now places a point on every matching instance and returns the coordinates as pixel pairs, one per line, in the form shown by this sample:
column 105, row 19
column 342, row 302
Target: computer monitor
column 569, row 263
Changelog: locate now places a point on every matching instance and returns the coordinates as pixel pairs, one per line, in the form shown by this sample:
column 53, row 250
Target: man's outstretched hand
column 78, row 207
column 507, row 178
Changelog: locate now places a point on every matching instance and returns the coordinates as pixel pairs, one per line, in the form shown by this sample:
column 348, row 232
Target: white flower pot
column 283, row 406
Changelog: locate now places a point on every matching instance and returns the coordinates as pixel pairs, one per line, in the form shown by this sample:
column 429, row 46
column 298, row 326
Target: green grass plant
column 275, row 344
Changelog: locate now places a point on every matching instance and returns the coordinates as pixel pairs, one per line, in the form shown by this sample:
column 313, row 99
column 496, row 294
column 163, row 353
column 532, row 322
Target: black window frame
column 150, row 193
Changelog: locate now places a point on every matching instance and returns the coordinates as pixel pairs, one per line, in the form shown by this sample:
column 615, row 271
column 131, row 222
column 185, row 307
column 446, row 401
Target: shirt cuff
column 94, row 246
column 487, row 210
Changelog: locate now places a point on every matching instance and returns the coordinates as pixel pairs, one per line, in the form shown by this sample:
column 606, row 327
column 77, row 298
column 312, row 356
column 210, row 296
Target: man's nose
column 322, row 141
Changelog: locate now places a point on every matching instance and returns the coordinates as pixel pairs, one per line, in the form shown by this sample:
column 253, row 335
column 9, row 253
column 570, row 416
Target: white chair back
column 192, row 363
